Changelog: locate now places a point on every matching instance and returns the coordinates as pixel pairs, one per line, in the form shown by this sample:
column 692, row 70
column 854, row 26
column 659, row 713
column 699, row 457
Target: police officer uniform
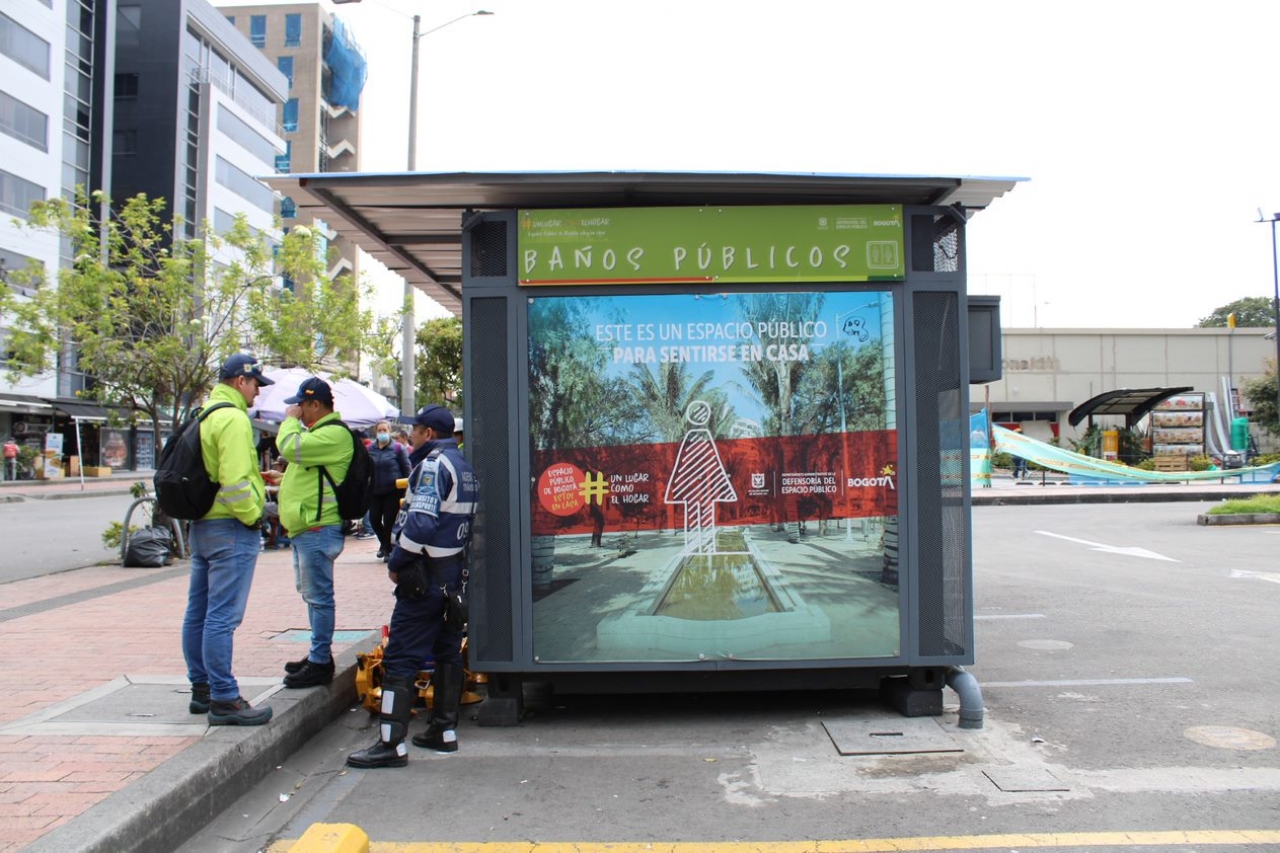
column 427, row 561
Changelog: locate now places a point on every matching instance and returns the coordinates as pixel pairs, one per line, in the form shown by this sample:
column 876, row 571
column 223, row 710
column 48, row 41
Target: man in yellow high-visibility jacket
column 309, row 513
column 224, row 548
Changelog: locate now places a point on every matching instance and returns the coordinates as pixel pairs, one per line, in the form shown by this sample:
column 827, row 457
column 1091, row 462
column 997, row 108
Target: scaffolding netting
column 347, row 63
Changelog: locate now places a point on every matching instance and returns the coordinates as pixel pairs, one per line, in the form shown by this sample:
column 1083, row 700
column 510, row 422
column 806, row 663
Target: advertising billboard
column 713, row 476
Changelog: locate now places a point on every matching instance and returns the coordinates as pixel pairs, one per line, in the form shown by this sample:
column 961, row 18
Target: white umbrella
column 359, row 406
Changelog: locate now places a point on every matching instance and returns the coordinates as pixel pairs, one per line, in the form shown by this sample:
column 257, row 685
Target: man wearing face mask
column 390, row 463
column 309, row 514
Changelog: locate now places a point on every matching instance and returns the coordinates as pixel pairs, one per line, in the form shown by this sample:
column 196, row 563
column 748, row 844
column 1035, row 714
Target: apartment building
column 195, row 115
column 326, row 71
column 55, row 68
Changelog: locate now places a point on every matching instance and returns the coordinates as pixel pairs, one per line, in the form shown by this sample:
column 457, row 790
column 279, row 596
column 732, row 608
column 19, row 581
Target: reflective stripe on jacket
column 305, row 449
column 231, row 458
column 444, row 495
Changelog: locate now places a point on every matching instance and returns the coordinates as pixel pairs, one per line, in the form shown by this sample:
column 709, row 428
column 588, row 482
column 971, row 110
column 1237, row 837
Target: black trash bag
column 149, row 548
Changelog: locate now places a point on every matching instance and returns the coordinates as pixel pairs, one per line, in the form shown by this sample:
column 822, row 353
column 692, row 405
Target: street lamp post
column 844, row 428
column 1275, row 303
column 407, row 367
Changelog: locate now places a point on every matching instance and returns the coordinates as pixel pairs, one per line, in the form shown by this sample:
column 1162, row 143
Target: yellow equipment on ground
column 369, row 679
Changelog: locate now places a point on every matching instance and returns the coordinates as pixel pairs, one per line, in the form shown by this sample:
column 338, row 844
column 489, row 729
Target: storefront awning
column 1132, row 403
column 83, row 412
column 25, row 404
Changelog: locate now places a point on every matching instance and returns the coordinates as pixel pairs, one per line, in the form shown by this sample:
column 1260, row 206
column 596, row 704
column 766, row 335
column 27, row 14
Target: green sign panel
column 706, row 245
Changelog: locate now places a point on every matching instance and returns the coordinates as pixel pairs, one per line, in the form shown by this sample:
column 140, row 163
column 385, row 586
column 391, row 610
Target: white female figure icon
column 699, row 481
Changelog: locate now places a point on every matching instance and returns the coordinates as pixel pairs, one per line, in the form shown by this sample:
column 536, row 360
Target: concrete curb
column 160, row 811
column 69, row 496
column 1238, row 519
column 64, row 496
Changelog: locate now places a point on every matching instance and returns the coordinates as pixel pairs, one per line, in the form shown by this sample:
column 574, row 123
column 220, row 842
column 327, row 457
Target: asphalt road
column 54, row 535
column 1124, row 654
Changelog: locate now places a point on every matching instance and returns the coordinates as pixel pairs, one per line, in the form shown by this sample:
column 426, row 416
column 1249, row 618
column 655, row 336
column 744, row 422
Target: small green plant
column 1260, row 505
column 1148, row 464
column 138, row 489
column 1199, row 463
column 27, row 458
column 111, row 536
column 1265, row 459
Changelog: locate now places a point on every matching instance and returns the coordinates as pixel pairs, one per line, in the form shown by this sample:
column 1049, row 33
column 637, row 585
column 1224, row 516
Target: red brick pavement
column 49, row 657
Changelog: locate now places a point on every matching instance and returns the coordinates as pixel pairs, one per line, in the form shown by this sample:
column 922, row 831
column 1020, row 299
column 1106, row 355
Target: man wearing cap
column 426, row 564
column 224, row 548
column 309, row 514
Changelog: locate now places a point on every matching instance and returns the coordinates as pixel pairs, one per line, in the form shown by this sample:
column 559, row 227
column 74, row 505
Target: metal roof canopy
column 1133, row 403
column 412, row 222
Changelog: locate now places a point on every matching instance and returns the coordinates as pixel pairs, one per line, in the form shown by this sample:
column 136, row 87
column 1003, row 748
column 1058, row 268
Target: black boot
column 389, row 751
column 199, row 699
column 441, row 734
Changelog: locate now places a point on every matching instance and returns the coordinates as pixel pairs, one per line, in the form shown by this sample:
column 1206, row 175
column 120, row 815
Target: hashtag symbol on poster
column 593, row 489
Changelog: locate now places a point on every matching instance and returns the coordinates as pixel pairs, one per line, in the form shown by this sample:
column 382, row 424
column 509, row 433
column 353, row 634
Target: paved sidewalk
column 95, row 688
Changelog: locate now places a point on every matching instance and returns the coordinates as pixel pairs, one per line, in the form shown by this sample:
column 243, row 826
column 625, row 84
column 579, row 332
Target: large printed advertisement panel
column 713, row 477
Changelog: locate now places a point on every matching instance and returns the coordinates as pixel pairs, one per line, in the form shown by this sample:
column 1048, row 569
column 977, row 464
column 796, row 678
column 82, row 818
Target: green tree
column 438, row 362
column 1262, row 396
column 861, row 369
column 1252, row 312
column 775, row 381
column 151, row 316
column 571, row 403
column 665, row 394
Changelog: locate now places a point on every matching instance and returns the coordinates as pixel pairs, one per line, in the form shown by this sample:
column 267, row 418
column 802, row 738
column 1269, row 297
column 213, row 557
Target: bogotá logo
column 883, row 480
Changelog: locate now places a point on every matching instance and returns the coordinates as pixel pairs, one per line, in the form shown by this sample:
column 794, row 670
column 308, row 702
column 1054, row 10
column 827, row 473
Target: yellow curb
column 332, row 838
column 1167, row 840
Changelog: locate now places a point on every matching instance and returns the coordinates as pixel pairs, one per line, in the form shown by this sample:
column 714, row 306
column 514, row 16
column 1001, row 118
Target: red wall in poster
column 774, row 480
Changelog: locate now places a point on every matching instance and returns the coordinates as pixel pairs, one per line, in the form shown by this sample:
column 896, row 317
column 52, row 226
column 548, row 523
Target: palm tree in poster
column 775, row 381
column 665, row 393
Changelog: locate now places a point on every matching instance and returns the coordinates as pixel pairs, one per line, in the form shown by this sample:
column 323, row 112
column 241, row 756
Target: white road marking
column 1111, row 549
column 1262, row 576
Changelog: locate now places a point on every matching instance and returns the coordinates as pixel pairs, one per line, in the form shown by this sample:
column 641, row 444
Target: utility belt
column 413, row 582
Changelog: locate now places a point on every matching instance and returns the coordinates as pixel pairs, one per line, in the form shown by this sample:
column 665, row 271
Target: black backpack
column 183, row 488
column 355, row 492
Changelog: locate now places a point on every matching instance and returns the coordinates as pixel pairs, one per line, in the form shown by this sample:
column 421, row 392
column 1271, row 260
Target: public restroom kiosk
column 720, row 421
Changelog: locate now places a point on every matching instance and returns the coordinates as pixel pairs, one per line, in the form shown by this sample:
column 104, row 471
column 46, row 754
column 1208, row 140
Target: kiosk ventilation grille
column 489, row 441
column 941, row 445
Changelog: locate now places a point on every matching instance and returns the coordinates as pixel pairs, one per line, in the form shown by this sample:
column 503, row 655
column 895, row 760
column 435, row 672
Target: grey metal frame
column 518, row 601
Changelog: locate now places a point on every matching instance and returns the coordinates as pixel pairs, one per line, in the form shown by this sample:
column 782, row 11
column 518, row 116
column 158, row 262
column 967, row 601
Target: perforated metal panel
column 489, row 248
column 935, row 243
column 489, row 439
column 941, row 445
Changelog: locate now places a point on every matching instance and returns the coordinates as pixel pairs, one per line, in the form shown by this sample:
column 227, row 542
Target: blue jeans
column 224, row 554
column 314, row 553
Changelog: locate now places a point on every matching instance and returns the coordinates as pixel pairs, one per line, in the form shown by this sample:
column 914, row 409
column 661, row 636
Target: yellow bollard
column 332, row 838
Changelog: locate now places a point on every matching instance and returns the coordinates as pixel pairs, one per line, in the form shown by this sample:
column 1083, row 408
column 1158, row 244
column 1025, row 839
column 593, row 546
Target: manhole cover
column 889, row 736
column 1022, row 780
column 1229, row 737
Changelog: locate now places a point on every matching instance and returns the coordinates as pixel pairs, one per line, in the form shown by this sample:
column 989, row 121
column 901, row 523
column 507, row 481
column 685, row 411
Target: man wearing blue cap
column 309, row 514
column 224, row 547
column 426, row 566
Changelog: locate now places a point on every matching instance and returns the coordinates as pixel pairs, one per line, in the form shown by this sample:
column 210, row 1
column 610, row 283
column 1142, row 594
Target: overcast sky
column 1147, row 131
